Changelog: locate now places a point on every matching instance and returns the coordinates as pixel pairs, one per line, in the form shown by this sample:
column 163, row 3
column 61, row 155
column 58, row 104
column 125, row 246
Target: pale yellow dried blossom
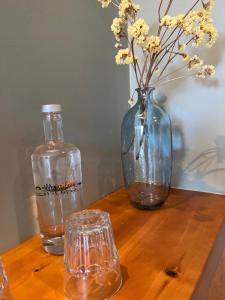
column 172, row 22
column 194, row 28
column 185, row 56
column 152, row 44
column 179, row 19
column 128, row 9
column 124, row 57
column 206, row 71
column 138, row 31
column 168, row 21
column 182, row 47
column 197, row 24
column 190, row 22
column 118, row 45
column 198, row 36
column 210, row 5
column 194, row 19
column 131, row 101
column 212, row 33
column 194, row 62
column 117, row 27
column 105, row 3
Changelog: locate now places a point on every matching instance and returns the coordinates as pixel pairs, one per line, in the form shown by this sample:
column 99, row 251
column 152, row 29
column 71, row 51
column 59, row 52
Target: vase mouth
column 144, row 89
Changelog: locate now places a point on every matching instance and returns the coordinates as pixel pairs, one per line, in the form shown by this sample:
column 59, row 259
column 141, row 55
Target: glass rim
column 88, row 219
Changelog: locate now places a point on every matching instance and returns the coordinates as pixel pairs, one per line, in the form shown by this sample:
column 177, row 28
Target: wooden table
column 174, row 253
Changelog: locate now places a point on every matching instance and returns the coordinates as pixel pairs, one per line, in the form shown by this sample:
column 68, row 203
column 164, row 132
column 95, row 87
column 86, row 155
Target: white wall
column 197, row 110
column 56, row 51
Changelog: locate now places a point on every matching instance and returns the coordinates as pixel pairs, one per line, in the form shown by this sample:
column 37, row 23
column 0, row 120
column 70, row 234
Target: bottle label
column 66, row 188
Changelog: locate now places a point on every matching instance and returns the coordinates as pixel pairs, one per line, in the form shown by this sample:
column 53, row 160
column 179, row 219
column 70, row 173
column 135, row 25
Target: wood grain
column 163, row 253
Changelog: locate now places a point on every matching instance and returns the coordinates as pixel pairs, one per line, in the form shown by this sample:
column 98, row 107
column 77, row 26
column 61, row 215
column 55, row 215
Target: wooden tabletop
column 167, row 254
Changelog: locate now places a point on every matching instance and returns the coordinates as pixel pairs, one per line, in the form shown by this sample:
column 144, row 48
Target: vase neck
column 145, row 95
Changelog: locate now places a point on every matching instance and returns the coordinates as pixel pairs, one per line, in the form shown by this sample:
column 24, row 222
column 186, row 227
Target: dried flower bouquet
column 173, row 38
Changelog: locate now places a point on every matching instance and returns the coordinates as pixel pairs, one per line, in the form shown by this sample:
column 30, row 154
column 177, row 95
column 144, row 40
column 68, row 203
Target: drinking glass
column 4, row 287
column 91, row 259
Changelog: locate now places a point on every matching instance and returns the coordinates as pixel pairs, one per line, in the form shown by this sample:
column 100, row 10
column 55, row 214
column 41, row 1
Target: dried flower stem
column 159, row 11
column 134, row 63
column 174, row 79
column 169, row 74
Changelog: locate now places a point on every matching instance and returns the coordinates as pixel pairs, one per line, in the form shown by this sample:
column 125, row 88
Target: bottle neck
column 53, row 127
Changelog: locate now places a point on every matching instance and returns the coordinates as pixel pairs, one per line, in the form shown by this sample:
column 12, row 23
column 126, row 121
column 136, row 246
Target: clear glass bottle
column 147, row 152
column 57, row 179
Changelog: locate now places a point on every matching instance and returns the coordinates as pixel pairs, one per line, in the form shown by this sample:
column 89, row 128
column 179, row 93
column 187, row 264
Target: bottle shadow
column 125, row 275
column 24, row 199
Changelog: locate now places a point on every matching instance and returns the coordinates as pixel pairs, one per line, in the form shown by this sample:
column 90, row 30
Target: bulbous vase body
column 147, row 152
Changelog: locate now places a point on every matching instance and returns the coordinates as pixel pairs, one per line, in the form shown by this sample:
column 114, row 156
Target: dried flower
column 118, row 45
column 174, row 36
column 212, row 33
column 182, row 47
column 168, row 21
column 209, row 5
column 194, row 62
column 117, row 27
column 124, row 57
column 131, row 101
column 138, row 31
column 206, row 71
column 152, row 44
column 105, row 3
column 198, row 37
column 185, row 56
column 128, row 9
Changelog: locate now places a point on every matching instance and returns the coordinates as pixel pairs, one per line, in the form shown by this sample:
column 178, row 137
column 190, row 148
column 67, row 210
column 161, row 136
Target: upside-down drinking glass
column 4, row 286
column 91, row 259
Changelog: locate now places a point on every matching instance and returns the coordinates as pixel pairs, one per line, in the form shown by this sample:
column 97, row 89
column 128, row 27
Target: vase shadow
column 178, row 141
column 210, row 163
column 179, row 153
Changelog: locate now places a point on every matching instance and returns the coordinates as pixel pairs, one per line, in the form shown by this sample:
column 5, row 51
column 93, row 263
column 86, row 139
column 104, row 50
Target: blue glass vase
column 147, row 152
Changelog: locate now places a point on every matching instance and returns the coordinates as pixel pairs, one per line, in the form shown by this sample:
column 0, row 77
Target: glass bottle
column 147, row 152
column 57, row 179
